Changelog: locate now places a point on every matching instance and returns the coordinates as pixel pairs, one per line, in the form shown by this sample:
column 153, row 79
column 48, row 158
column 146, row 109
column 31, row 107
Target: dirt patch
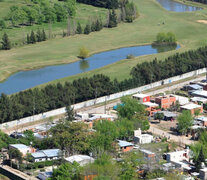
column 202, row 21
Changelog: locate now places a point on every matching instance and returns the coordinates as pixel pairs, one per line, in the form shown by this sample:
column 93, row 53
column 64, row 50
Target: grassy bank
column 190, row 35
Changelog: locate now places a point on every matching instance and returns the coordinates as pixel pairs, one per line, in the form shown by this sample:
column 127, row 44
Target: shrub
column 84, row 53
column 130, row 56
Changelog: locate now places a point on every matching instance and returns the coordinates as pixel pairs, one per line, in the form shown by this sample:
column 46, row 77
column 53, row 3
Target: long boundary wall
column 101, row 99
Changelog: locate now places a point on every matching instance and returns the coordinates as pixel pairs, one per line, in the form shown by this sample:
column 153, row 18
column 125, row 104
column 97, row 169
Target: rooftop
column 140, row 95
column 146, row 151
column 195, row 86
column 191, row 106
column 168, row 113
column 200, row 93
column 150, row 104
column 19, row 146
column 47, row 153
column 124, row 143
column 201, row 118
column 200, row 99
column 79, row 158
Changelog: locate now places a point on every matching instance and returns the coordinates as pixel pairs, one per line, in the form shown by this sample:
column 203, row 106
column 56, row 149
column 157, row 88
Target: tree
column 112, row 19
column 66, row 171
column 44, row 37
column 33, row 38
column 87, row 29
column 79, row 29
column 39, row 36
column 6, row 45
column 2, row 24
column 159, row 116
column 185, row 121
column 28, row 39
column 200, row 160
column 106, row 134
column 169, row 38
column 84, row 53
column 197, row 112
column 69, row 113
column 125, row 128
column 15, row 154
column 73, row 137
column 130, row 108
column 98, row 25
column 104, row 166
column 141, row 121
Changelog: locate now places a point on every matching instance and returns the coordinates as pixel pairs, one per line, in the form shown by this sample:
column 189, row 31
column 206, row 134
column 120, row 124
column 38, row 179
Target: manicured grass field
column 190, row 35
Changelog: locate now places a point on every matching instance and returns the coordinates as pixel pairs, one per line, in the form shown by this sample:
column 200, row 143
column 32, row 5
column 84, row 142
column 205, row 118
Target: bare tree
column 68, row 27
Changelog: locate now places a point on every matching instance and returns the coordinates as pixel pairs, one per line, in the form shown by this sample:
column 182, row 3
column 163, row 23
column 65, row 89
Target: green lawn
column 190, row 35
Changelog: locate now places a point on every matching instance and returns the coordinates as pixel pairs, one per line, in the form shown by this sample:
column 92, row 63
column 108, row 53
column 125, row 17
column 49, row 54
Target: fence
column 101, row 99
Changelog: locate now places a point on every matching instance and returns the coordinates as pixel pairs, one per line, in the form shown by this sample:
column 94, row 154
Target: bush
column 166, row 38
column 84, row 53
column 130, row 56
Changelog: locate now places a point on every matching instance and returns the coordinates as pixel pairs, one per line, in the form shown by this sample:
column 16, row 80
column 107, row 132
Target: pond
column 28, row 79
column 171, row 5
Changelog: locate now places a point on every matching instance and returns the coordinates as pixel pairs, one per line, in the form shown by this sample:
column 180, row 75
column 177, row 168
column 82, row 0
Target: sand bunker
column 202, row 21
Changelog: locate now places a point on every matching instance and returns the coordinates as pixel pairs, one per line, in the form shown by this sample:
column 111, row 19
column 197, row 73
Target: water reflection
column 171, row 5
column 164, row 48
column 84, row 65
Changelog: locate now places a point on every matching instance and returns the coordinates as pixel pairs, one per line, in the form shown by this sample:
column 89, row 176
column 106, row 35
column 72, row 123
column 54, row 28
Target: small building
column 178, row 156
column 168, row 115
column 142, row 98
column 148, row 154
column 203, row 174
column 46, row 155
column 81, row 116
column 168, row 166
column 94, row 117
column 192, row 107
column 81, row 159
column 22, row 148
column 143, row 139
column 199, row 100
column 182, row 100
column 192, row 87
column 165, row 102
column 200, row 93
column 152, row 108
column 202, row 119
column 125, row 146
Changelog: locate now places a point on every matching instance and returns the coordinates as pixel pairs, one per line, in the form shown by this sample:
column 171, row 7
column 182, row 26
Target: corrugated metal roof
column 19, row 146
column 124, row 143
column 51, row 152
column 47, row 153
column 38, row 155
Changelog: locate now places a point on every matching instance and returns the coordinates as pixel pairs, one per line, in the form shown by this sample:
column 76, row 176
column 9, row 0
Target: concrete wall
column 101, row 99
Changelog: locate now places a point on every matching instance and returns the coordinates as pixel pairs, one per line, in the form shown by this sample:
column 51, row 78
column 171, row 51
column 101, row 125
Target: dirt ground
column 202, row 21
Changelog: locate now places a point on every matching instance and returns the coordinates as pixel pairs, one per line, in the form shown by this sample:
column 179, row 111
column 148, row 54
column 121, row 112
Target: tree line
column 109, row 4
column 200, row 1
column 40, row 12
column 39, row 36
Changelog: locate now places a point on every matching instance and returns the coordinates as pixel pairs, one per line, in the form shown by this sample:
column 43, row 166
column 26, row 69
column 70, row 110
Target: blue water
column 171, row 5
column 27, row 79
